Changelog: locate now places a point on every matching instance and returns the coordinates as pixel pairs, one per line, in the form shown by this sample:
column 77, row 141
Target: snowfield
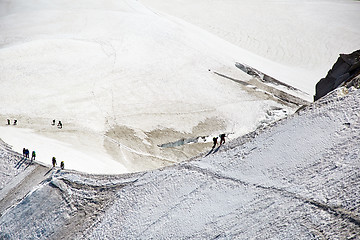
column 300, row 40
column 123, row 80
column 143, row 86
column 296, row 179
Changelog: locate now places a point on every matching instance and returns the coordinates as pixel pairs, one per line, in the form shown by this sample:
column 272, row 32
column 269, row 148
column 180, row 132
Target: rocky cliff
column 346, row 68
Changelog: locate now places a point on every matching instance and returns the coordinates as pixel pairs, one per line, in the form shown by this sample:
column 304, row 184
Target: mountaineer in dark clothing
column 27, row 153
column 215, row 141
column 222, row 138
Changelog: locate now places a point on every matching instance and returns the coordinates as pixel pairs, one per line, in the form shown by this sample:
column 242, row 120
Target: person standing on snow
column 215, row 141
column 27, row 153
column 60, row 124
column 222, row 139
column 33, row 155
column 54, row 161
column 62, row 165
column 8, row 121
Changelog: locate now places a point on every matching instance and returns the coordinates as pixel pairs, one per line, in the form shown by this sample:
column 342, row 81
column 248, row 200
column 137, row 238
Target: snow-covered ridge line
column 138, row 79
column 274, row 176
column 335, row 210
column 308, row 186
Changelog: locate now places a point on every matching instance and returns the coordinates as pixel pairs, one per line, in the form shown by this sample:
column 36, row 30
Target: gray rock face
column 345, row 69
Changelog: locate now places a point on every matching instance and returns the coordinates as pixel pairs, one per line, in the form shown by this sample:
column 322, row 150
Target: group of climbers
column 8, row 122
column 222, row 140
column 26, row 151
column 26, row 154
column 59, row 125
column 33, row 156
column 62, row 164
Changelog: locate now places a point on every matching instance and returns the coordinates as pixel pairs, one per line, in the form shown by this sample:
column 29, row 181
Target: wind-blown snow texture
column 296, row 179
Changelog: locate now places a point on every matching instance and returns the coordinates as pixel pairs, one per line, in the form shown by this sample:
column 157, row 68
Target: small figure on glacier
column 15, row 122
column 54, row 161
column 60, row 124
column 215, row 142
column 222, row 138
column 33, row 155
column 27, row 153
column 62, row 165
column 53, row 122
column 8, row 121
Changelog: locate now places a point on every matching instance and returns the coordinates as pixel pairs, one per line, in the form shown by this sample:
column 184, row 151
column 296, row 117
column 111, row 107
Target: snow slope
column 123, row 80
column 300, row 40
column 297, row 179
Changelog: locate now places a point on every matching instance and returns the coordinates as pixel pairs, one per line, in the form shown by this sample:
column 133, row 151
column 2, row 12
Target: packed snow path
column 296, row 179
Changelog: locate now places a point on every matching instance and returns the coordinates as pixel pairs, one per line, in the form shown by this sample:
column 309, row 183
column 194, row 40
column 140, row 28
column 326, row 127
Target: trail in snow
column 336, row 211
column 116, row 65
column 295, row 179
column 46, row 148
column 138, row 152
column 281, row 179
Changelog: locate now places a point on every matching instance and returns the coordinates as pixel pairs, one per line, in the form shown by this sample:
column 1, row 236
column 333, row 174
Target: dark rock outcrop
column 345, row 69
column 262, row 76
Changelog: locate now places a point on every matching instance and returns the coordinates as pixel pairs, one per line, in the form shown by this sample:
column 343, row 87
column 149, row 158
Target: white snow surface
column 294, row 180
column 123, row 80
column 298, row 40
column 297, row 179
column 76, row 157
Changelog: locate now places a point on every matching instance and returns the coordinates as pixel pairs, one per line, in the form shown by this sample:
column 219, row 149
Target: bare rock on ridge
column 346, row 68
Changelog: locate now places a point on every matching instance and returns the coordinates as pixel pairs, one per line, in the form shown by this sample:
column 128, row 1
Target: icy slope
column 123, row 80
column 304, row 37
column 298, row 179
column 295, row 180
